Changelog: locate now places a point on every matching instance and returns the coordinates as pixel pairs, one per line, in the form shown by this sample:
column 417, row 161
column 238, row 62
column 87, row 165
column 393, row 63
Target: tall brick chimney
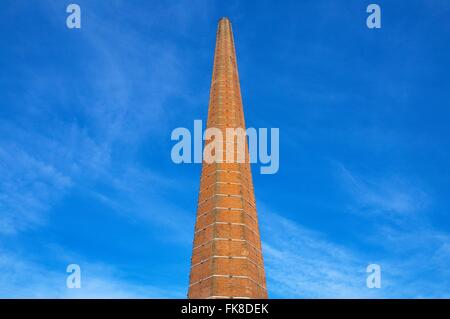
column 226, row 258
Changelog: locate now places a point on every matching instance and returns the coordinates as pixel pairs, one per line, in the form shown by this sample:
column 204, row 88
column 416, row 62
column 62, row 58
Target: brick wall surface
column 226, row 261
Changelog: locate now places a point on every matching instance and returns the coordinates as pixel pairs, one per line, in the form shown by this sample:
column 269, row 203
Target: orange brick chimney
column 226, row 259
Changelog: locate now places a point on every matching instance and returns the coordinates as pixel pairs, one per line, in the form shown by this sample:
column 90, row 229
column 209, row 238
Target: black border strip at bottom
column 232, row 308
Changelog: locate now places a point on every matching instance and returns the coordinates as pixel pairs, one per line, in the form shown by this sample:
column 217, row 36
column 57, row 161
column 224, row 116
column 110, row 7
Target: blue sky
column 86, row 116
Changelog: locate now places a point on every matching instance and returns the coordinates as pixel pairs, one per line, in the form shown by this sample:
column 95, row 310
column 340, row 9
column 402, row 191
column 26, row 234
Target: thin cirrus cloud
column 79, row 106
column 28, row 187
column 82, row 132
column 398, row 212
column 305, row 262
column 89, row 136
column 23, row 278
column 391, row 196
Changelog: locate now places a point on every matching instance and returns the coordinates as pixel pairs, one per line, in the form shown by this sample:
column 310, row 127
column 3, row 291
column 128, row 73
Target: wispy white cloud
column 394, row 197
column 23, row 278
column 27, row 187
column 413, row 254
column 65, row 134
column 302, row 263
column 145, row 195
column 92, row 131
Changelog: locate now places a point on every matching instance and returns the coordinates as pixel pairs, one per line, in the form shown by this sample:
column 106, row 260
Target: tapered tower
column 226, row 259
